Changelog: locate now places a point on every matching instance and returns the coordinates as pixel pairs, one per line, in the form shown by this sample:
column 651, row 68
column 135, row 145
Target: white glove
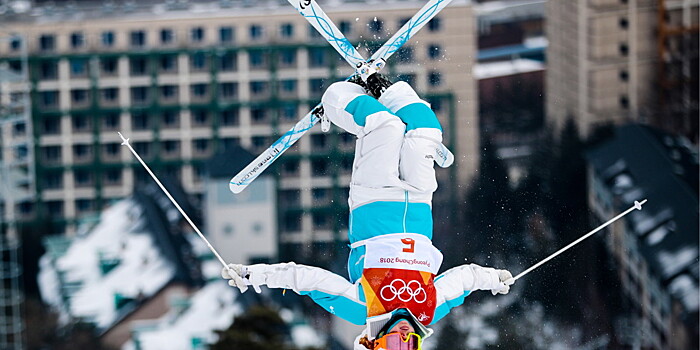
column 506, row 280
column 235, row 273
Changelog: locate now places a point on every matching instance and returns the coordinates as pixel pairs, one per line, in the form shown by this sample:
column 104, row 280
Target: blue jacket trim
column 443, row 309
column 418, row 115
column 363, row 106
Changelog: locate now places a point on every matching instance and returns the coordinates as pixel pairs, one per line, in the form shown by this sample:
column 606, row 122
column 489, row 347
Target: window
column 107, row 38
column 77, row 40
column 434, row 51
column 138, row 38
column 624, row 102
column 229, row 90
column 197, row 35
column 226, row 35
column 230, row 142
column 290, row 167
column 319, row 194
column 319, row 141
column 405, row 54
column 55, row 209
column 256, row 58
column 49, row 99
column 111, row 121
column 345, row 28
column 170, row 119
column 288, row 86
column 81, row 151
column 624, row 76
column 48, row 70
column 624, row 23
column 111, row 149
column 168, row 92
column 167, row 36
column 624, row 49
column 79, row 96
column 15, row 44
column 52, row 154
column 171, row 147
column 138, row 66
column 139, row 121
column 259, row 141
column 84, row 205
column 320, row 221
column 317, row 57
column 376, row 25
column 434, row 78
column 51, row 126
column 288, row 57
column 52, row 180
column 256, row 32
column 168, row 63
column 80, row 123
column 78, row 67
column 228, row 62
column 200, row 117
column 201, row 145
column 47, row 42
column 403, row 21
column 410, row 79
column 142, row 148
column 198, row 61
column 109, row 65
column 287, row 30
column 288, row 111
column 258, row 115
column 316, row 86
column 139, row 95
column 313, row 33
column 113, row 177
column 319, row 167
column 258, row 87
column 199, row 90
column 435, row 24
column 82, row 178
column 292, row 222
column 229, row 117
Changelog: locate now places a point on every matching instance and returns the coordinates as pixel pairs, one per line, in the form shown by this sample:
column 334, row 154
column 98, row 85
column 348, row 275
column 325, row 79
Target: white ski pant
column 396, row 136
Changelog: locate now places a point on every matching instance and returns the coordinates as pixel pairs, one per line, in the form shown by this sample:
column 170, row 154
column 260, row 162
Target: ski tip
column 638, row 205
column 443, row 157
column 235, row 187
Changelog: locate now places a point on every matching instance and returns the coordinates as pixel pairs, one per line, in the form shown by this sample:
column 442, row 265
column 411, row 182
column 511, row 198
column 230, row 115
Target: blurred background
column 561, row 114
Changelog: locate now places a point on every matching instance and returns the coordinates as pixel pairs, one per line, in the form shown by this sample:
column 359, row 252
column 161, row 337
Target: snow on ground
column 115, row 259
column 211, row 308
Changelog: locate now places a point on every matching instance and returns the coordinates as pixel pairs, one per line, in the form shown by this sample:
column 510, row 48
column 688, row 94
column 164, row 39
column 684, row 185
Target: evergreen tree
column 260, row 328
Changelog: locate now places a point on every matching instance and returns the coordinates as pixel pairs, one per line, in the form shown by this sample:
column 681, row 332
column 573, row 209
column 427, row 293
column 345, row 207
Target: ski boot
column 374, row 83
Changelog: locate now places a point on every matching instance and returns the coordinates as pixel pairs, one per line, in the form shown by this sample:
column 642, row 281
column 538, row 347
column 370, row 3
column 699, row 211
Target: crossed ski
column 322, row 23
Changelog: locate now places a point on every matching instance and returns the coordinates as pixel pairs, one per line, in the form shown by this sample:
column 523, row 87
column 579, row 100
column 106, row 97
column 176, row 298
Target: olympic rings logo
column 398, row 288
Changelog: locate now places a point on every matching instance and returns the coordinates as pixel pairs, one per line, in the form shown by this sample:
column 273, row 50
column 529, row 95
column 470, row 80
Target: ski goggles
column 397, row 341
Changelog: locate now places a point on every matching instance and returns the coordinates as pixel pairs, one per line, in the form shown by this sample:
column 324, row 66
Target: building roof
column 639, row 162
column 228, row 163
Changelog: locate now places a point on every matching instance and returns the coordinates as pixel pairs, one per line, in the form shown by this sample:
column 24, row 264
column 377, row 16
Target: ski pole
column 125, row 142
column 637, row 205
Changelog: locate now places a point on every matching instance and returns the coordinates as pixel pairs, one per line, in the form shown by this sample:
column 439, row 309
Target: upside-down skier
column 393, row 287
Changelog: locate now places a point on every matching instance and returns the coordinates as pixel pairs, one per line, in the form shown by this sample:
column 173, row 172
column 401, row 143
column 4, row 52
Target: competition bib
column 398, row 273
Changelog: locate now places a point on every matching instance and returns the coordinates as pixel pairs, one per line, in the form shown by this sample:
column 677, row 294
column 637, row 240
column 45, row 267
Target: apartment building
column 184, row 80
column 656, row 248
column 612, row 61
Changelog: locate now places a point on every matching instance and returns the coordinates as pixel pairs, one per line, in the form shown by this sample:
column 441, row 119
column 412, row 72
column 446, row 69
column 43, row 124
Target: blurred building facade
column 186, row 79
column 656, row 248
column 612, row 61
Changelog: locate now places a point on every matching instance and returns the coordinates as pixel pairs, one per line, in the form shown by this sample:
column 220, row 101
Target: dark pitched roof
column 228, row 163
column 641, row 162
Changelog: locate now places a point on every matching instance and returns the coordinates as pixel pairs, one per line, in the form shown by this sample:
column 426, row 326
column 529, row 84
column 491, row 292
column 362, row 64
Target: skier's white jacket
column 392, row 262
column 347, row 300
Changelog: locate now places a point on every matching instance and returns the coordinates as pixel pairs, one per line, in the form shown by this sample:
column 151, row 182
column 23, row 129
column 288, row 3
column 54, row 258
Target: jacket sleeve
column 457, row 283
column 332, row 292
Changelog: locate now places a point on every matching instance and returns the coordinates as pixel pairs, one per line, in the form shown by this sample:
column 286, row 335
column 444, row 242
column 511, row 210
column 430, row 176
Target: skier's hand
column 234, row 273
column 506, row 280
